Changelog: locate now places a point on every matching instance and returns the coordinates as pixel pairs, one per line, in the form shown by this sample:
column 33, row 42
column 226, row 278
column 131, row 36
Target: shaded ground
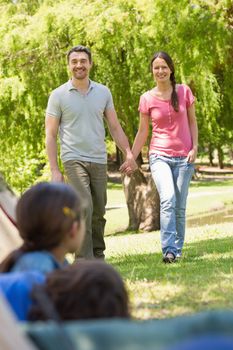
column 203, row 172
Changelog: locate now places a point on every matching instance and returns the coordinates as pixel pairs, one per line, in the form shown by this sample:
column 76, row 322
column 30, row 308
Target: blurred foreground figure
column 11, row 336
column 49, row 220
column 85, row 290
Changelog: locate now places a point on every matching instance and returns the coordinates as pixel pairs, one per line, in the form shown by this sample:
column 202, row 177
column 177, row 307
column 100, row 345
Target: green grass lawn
column 202, row 280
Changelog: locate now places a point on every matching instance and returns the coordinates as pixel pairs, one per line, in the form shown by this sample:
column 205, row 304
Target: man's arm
column 51, row 127
column 121, row 140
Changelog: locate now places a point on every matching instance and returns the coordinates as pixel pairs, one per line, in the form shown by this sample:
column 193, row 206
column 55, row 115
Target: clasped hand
column 129, row 166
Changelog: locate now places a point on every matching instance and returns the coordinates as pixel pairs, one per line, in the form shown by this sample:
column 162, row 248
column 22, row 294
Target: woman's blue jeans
column 172, row 176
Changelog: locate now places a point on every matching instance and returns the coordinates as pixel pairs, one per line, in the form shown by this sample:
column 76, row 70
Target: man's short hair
column 79, row 48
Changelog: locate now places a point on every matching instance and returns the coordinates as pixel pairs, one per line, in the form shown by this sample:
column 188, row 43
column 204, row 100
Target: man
column 77, row 109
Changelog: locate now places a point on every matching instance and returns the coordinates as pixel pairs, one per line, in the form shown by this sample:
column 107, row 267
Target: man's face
column 79, row 65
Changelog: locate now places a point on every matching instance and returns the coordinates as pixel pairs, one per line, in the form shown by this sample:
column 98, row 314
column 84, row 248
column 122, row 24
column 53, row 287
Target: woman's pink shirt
column 170, row 129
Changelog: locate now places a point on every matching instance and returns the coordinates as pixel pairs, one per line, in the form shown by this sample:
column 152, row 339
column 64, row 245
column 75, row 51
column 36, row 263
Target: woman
column 173, row 149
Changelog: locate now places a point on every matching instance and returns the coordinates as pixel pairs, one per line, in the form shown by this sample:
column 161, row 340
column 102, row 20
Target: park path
column 191, row 195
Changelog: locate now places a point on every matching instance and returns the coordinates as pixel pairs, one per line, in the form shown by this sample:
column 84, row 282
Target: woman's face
column 160, row 70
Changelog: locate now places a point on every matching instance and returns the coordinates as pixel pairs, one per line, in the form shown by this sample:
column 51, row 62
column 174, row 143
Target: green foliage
column 35, row 36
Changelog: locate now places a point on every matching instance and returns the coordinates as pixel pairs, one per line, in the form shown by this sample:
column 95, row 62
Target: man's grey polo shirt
column 82, row 132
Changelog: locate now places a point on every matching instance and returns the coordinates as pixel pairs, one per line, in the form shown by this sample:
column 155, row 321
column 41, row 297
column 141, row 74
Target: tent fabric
column 10, row 238
column 8, row 201
column 11, row 335
column 207, row 342
column 132, row 335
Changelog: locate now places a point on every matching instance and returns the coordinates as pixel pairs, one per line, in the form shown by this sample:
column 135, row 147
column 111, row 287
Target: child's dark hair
column 169, row 61
column 44, row 214
column 86, row 290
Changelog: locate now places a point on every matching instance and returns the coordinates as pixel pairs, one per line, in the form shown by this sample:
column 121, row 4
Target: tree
column 123, row 35
column 142, row 201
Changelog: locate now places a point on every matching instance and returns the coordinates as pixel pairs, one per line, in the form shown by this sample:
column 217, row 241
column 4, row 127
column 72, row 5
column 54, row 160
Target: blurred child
column 49, row 220
column 16, row 288
column 86, row 290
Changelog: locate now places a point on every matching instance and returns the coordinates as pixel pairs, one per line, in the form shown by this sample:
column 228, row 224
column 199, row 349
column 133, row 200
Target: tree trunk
column 220, row 157
column 211, row 158
column 142, row 200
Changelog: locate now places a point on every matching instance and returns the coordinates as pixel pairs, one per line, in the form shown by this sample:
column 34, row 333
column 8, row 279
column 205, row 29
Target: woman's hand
column 192, row 155
column 128, row 167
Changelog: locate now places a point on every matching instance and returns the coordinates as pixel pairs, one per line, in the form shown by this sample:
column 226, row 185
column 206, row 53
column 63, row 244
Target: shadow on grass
column 123, row 233
column 210, row 218
column 209, row 183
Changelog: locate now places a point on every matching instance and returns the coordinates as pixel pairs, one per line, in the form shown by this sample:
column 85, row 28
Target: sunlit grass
column 202, row 280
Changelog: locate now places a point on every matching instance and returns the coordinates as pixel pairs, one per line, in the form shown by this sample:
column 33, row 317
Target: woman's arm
column 194, row 133
column 140, row 139
column 142, row 135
